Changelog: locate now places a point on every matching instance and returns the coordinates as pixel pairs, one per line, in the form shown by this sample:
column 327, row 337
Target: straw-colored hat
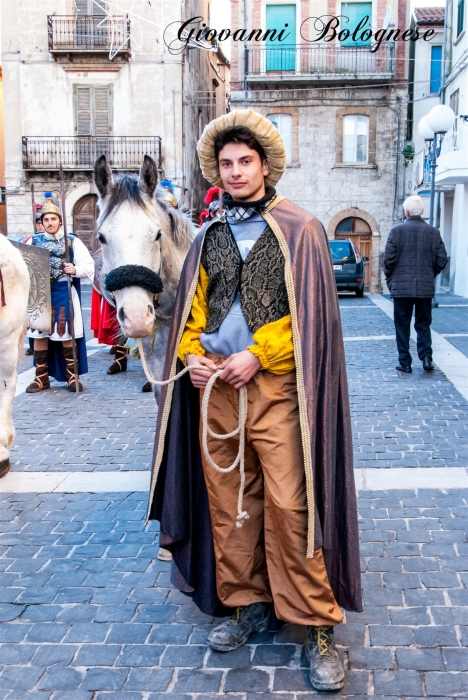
column 264, row 132
column 50, row 208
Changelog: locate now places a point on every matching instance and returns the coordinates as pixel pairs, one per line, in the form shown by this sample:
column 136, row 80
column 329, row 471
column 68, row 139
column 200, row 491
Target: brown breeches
column 265, row 560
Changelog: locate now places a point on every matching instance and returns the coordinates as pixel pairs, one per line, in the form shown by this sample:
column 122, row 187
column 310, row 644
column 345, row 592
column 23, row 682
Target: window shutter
column 101, row 110
column 90, row 7
column 460, row 16
column 355, row 12
column 83, row 121
column 436, row 68
column 81, row 7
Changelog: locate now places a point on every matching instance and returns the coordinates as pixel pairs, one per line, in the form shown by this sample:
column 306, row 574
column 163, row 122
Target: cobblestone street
column 87, row 611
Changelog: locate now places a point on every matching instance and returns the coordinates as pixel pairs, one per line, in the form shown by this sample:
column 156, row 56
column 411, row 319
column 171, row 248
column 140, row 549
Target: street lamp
column 433, row 128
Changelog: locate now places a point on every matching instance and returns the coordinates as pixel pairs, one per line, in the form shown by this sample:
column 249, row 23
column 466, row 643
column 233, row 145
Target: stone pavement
column 87, row 611
column 86, row 607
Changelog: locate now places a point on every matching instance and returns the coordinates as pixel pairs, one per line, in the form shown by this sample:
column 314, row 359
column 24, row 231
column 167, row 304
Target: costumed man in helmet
column 257, row 299
column 53, row 353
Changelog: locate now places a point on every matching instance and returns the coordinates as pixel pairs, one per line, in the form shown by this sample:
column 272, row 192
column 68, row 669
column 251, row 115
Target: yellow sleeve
column 197, row 320
column 274, row 346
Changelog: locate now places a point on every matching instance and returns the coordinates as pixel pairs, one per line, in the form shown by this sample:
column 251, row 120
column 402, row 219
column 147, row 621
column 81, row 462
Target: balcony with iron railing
column 80, row 152
column 89, row 34
column 296, row 63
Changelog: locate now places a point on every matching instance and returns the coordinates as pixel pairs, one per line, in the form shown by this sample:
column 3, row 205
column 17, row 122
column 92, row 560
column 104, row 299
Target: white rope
column 206, row 430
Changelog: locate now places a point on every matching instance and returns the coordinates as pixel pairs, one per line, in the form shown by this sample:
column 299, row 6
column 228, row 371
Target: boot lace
column 236, row 618
column 323, row 639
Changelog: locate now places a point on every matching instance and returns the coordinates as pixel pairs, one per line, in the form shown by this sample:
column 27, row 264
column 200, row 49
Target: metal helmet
column 50, row 208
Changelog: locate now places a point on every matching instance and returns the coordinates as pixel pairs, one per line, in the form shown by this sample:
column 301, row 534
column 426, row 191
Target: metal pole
column 433, row 161
column 71, row 315
column 33, row 204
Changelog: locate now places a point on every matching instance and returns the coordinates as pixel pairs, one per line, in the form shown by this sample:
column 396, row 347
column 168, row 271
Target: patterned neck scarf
column 240, row 211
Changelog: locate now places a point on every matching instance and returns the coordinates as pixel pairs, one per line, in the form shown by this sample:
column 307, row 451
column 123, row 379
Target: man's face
column 39, row 226
column 51, row 223
column 242, row 172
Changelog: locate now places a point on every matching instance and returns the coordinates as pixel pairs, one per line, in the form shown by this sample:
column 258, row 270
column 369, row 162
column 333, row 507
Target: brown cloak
column 178, row 496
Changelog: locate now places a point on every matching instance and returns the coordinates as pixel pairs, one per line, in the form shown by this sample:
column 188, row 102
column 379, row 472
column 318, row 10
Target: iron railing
column 456, row 139
column 81, row 152
column 320, row 61
column 88, row 33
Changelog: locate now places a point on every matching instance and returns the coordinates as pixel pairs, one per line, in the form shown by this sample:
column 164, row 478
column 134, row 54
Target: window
column 355, row 12
column 283, row 123
column 93, row 110
column 282, row 56
column 436, row 68
column 355, row 139
column 460, row 16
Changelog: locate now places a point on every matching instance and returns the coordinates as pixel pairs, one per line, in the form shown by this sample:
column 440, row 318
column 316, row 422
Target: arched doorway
column 84, row 221
column 360, row 233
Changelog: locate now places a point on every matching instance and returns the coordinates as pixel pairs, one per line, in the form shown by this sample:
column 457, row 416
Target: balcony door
column 93, row 114
column 282, row 54
column 89, row 15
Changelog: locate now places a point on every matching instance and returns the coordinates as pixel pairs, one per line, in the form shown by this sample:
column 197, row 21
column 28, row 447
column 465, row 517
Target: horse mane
column 127, row 188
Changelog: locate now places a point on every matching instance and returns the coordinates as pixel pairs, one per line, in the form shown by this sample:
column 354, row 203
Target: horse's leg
column 9, row 352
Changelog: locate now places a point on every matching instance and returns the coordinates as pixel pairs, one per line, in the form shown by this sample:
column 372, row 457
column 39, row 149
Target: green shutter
column 283, row 55
column 355, row 12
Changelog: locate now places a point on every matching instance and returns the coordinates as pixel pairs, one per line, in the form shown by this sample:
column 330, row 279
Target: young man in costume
column 53, row 354
column 257, row 299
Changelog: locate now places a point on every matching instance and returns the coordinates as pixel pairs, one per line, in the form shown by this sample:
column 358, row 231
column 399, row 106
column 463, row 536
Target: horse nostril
column 150, row 309
column 121, row 315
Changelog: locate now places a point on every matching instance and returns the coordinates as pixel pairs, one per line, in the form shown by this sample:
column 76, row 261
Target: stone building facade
column 341, row 109
column 81, row 78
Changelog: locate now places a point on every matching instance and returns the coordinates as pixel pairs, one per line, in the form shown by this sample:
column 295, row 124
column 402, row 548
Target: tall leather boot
column 120, row 361
column 42, row 373
column 68, row 355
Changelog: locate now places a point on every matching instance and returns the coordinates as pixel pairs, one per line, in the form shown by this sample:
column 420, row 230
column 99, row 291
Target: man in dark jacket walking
column 414, row 256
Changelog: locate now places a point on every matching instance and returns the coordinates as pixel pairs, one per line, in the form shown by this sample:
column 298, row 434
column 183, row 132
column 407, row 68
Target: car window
column 340, row 250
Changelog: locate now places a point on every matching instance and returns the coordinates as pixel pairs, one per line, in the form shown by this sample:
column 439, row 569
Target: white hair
column 414, row 206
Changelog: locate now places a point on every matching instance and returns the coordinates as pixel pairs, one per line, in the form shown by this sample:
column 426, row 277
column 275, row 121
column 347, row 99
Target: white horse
column 14, row 293
column 144, row 241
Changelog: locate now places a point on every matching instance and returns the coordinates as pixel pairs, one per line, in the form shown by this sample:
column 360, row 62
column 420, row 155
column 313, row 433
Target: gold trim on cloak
column 305, row 431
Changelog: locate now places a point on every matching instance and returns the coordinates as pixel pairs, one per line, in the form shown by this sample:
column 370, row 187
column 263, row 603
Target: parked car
column 348, row 266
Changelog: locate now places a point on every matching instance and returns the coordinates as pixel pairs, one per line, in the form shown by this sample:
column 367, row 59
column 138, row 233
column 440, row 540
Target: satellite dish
column 388, row 17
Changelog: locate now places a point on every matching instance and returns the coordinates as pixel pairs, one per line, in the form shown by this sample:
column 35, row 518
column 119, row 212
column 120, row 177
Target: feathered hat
column 263, row 131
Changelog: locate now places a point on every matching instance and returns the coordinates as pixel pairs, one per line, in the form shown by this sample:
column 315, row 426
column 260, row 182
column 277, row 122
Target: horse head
column 131, row 227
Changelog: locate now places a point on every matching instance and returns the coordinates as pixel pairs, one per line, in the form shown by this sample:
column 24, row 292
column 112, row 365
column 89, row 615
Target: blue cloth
column 234, row 335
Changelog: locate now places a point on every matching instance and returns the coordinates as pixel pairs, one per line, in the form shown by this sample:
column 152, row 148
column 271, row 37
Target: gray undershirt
column 234, row 335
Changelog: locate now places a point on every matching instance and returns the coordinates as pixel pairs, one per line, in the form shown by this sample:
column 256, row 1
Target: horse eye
column 101, row 238
column 158, row 235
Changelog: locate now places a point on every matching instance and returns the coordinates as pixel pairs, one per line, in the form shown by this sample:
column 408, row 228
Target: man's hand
column 69, row 269
column 198, row 376
column 240, row 368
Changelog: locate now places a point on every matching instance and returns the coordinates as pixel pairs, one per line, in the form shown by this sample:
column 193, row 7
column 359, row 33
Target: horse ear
column 103, row 176
column 149, row 176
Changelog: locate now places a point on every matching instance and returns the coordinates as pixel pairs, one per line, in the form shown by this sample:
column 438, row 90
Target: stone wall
column 317, row 181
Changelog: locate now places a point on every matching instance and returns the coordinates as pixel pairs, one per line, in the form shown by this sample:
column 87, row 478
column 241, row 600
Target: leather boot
column 68, row 355
column 42, row 372
column 428, row 365
column 120, row 361
column 236, row 631
column 326, row 671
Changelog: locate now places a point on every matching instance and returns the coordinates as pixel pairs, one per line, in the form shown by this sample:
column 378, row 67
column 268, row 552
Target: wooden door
column 84, row 221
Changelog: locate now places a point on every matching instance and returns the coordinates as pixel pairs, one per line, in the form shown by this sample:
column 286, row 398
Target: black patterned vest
column 259, row 278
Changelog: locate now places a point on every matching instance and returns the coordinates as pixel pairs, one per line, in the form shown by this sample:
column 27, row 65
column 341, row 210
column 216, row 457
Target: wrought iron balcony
column 81, row 152
column 89, row 34
column 295, row 63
